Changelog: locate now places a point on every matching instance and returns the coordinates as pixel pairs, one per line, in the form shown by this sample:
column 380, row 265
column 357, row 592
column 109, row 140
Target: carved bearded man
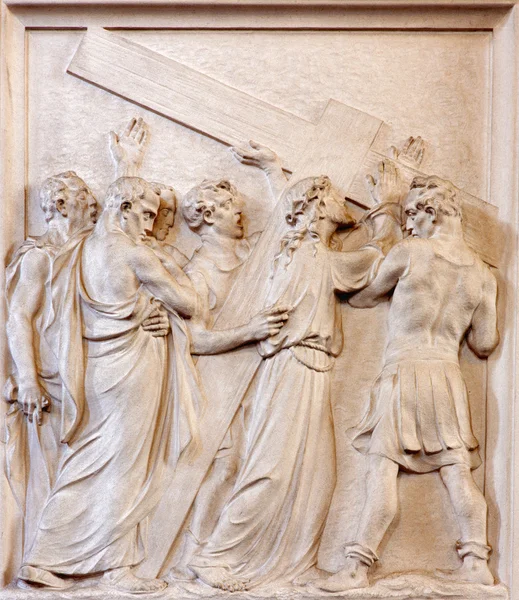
column 419, row 416
column 127, row 413
column 271, row 526
column 33, row 447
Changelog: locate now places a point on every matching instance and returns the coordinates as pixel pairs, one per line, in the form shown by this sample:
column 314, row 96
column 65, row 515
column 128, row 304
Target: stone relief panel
column 262, row 369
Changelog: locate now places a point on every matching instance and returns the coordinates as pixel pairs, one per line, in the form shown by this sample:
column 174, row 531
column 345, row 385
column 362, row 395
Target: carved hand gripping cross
column 344, row 144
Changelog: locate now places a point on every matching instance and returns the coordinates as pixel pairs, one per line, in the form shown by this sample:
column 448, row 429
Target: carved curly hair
column 304, row 201
column 55, row 188
column 127, row 189
column 439, row 193
column 200, row 200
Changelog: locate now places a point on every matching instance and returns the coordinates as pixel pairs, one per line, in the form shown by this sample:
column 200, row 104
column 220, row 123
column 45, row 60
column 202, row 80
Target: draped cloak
column 129, row 410
column 32, row 450
column 271, row 526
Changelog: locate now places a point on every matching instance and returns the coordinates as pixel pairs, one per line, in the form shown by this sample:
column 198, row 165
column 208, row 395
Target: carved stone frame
column 498, row 17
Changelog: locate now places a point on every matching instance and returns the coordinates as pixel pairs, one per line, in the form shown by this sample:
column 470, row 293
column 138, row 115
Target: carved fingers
column 128, row 149
column 33, row 400
column 386, row 185
column 269, row 322
column 255, row 155
column 412, row 152
column 157, row 323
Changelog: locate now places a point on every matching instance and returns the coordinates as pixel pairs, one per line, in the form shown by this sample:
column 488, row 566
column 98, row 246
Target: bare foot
column 219, row 577
column 124, row 580
column 473, row 570
column 180, row 573
column 353, row 575
column 309, row 575
column 29, row 576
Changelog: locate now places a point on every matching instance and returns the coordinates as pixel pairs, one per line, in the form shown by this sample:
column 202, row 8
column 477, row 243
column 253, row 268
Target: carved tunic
column 272, row 524
column 419, row 415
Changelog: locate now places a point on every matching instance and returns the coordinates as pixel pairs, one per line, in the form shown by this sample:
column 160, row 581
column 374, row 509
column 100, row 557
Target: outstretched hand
column 412, row 152
column 128, row 149
column 387, row 185
column 255, row 155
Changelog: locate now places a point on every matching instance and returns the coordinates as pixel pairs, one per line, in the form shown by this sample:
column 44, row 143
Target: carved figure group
column 107, row 318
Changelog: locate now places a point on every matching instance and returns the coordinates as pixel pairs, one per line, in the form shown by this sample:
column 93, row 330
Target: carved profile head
column 430, row 201
column 167, row 209
column 66, row 195
column 134, row 203
column 215, row 205
column 309, row 204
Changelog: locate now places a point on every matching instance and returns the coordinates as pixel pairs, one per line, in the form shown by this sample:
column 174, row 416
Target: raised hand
column 268, row 322
column 157, row 323
column 128, row 149
column 255, row 155
column 33, row 400
column 387, row 185
column 412, row 152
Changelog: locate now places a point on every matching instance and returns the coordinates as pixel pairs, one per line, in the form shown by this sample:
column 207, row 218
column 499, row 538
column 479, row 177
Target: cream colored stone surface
column 437, row 85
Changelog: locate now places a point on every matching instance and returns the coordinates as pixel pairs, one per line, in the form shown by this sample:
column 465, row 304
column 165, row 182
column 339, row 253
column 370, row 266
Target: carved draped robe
column 128, row 412
column 271, row 527
column 32, row 450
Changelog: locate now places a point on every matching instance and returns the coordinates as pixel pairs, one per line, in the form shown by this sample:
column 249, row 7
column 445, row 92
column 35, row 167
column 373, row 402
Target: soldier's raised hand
column 411, row 153
column 386, row 185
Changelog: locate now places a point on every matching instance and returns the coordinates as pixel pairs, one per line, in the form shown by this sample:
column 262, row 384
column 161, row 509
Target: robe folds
column 31, row 480
column 271, row 527
column 130, row 403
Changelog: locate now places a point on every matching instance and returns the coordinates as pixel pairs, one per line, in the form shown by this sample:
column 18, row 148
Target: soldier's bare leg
column 470, row 509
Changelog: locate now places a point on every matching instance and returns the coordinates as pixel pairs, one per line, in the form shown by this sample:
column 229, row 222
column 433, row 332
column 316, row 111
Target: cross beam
column 230, row 116
column 343, row 144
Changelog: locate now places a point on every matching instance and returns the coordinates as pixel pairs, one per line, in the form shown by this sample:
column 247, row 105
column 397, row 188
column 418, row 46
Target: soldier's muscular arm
column 483, row 335
column 394, row 266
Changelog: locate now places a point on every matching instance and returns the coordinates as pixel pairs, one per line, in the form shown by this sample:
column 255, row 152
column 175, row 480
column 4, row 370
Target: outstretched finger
column 419, row 158
column 143, row 137
column 409, row 142
column 137, row 129
column 241, row 153
column 130, row 126
column 393, row 152
column 113, row 139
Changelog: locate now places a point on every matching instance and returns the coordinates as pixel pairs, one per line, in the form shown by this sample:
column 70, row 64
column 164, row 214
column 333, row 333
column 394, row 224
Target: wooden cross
column 344, row 144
